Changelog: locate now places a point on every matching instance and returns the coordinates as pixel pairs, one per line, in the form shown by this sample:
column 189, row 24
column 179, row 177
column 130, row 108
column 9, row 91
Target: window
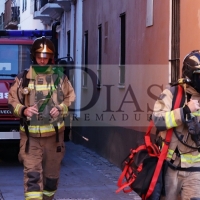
column 68, row 43
column 84, row 84
column 149, row 15
column 99, row 55
column 24, row 5
column 105, row 37
column 14, row 60
column 122, row 49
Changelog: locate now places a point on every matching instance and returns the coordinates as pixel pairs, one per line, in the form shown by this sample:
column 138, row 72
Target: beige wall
column 146, row 74
column 147, row 45
column 147, row 52
column 140, row 39
column 190, row 27
column 147, row 64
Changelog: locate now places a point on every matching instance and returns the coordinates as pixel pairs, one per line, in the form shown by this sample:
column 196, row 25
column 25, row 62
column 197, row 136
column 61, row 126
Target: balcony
column 46, row 19
column 65, row 4
column 48, row 9
column 54, row 10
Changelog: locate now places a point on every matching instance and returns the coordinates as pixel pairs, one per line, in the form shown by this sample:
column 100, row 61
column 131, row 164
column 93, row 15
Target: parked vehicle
column 14, row 57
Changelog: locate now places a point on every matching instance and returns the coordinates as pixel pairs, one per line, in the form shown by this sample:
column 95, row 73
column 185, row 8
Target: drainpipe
column 72, row 31
column 78, row 53
column 55, row 38
column 174, row 40
column 64, row 35
column 170, row 39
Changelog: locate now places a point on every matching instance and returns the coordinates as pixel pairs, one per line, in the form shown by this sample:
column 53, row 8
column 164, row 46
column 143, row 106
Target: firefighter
column 183, row 173
column 40, row 97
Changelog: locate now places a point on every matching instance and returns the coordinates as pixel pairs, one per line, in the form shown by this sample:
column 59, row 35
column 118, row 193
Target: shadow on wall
column 112, row 143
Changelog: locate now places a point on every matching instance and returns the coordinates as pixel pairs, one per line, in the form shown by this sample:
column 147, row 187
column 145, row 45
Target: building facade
column 11, row 17
column 27, row 22
column 134, row 49
column 127, row 46
column 2, row 4
column 125, row 53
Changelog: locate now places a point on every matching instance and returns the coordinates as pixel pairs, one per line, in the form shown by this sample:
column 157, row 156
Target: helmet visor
column 196, row 80
column 44, row 55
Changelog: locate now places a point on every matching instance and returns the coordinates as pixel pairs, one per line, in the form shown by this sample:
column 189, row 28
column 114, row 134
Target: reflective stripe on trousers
column 41, row 165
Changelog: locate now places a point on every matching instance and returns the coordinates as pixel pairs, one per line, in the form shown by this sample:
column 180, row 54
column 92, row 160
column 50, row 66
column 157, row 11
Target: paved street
column 84, row 176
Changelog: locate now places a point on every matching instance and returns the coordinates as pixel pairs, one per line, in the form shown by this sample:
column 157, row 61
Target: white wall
column 26, row 18
column 78, row 52
column 2, row 6
column 65, row 26
column 73, row 21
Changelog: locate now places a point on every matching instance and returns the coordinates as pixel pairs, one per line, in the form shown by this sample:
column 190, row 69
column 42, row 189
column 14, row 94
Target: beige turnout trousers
column 41, row 165
column 185, row 184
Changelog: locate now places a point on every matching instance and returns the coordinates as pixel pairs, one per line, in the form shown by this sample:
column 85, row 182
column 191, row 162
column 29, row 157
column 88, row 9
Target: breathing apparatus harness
column 25, row 121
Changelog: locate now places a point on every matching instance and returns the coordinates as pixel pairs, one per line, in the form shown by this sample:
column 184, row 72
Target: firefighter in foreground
column 41, row 96
column 183, row 174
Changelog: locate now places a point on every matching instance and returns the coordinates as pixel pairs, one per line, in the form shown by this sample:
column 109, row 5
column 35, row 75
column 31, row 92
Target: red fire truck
column 14, row 57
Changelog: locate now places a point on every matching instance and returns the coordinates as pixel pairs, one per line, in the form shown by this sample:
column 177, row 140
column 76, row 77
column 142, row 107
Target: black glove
column 194, row 129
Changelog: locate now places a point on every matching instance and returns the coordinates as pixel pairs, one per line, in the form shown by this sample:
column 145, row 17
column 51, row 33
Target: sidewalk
column 84, row 176
column 87, row 176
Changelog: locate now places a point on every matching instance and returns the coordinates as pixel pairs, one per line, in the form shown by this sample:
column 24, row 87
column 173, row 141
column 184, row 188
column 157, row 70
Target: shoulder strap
column 178, row 93
column 24, row 79
column 163, row 153
column 25, row 83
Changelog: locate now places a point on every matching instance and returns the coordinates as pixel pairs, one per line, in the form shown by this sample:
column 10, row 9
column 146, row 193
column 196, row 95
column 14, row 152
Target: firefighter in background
column 41, row 96
column 183, row 173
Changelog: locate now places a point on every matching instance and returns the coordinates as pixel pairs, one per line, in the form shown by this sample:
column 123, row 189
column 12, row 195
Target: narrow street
column 84, row 176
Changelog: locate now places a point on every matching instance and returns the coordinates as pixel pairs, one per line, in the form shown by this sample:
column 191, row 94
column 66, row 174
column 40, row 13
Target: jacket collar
column 32, row 73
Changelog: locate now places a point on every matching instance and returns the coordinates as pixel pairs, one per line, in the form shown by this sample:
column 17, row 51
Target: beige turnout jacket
column 164, row 118
column 39, row 85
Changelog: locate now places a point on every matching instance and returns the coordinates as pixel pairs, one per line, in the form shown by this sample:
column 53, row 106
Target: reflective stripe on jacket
column 43, row 130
